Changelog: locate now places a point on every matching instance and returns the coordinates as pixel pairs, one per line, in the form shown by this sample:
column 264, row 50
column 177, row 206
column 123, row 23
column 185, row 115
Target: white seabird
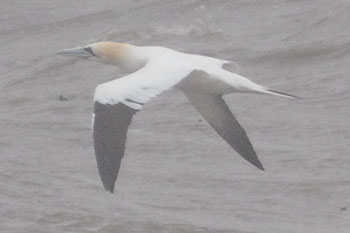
column 152, row 71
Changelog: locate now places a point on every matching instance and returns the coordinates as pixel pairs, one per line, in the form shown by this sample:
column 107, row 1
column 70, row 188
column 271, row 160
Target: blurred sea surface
column 177, row 175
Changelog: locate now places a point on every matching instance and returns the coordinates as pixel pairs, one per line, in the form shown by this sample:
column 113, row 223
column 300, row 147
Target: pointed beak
column 77, row 52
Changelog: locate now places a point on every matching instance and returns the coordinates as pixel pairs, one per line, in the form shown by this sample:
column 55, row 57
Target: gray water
column 177, row 174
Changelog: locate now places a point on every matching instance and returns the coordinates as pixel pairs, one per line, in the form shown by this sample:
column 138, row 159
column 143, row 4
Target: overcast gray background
column 178, row 175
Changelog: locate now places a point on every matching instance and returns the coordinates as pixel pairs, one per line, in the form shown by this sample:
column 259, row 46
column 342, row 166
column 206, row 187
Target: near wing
column 115, row 104
column 214, row 109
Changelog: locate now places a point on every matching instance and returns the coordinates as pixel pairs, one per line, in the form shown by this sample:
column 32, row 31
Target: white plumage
column 152, row 71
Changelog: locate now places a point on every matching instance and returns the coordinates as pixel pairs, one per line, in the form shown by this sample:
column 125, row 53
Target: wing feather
column 214, row 109
column 115, row 104
column 110, row 128
column 139, row 87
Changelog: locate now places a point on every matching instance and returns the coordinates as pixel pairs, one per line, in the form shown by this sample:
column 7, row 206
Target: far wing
column 115, row 104
column 110, row 128
column 214, row 109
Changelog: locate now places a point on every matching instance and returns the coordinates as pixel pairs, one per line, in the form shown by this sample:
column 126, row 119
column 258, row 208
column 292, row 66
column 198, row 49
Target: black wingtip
column 109, row 189
column 253, row 159
column 261, row 168
column 259, row 165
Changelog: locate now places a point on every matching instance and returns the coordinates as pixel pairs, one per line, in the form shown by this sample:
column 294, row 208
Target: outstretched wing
column 110, row 128
column 214, row 109
column 115, row 104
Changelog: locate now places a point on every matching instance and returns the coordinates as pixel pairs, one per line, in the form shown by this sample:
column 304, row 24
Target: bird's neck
column 127, row 57
column 132, row 59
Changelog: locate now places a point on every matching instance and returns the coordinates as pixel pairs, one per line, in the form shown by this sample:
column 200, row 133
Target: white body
column 154, row 66
column 152, row 71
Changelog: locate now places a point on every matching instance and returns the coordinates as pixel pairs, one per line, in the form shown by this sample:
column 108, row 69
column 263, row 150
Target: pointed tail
column 278, row 93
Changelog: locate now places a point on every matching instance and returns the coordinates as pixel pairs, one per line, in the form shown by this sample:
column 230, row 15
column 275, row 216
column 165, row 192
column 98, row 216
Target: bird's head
column 108, row 52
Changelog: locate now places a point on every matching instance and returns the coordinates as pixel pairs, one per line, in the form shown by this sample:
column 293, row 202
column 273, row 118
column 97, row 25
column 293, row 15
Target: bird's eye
column 88, row 49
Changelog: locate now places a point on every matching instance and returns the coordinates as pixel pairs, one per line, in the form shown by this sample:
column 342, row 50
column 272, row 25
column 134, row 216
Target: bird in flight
column 153, row 70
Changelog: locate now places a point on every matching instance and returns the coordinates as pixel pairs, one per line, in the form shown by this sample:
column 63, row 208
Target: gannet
column 153, row 70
